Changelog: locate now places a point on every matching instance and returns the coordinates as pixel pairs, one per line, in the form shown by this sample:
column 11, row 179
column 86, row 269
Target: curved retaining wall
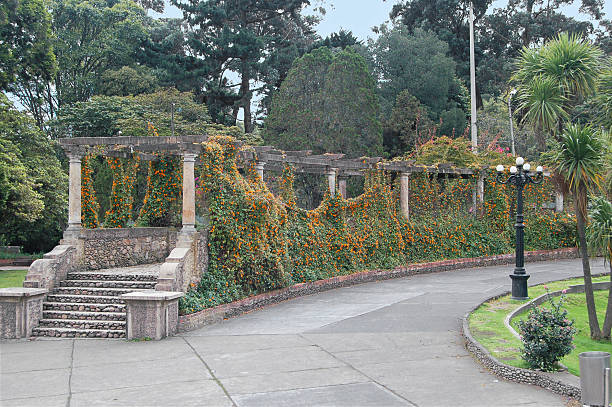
column 216, row 314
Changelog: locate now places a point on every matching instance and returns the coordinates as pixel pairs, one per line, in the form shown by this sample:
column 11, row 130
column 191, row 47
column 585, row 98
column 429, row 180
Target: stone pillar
column 20, row 310
column 342, row 186
column 405, row 194
column 74, row 192
column 259, row 167
column 558, row 201
column 188, row 192
column 331, row 180
column 151, row 314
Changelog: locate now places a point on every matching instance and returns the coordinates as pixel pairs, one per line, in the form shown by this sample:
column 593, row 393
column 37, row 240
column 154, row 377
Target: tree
column 90, row 37
column 552, row 80
column 328, row 104
column 33, row 181
column 418, row 63
column 579, row 161
column 127, row 81
column 105, row 116
column 599, row 236
column 25, row 34
column 409, row 121
column 240, row 36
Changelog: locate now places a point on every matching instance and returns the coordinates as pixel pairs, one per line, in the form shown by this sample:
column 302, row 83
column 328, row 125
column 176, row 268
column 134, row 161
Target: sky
column 359, row 16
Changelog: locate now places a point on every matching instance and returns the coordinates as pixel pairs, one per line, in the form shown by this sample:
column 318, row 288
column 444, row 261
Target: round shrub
column 547, row 335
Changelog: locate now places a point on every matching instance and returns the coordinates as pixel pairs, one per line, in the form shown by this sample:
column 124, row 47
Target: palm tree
column 599, row 236
column 555, row 78
column 579, row 160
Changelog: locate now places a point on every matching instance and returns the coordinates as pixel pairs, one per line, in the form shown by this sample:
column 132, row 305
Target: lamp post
column 519, row 177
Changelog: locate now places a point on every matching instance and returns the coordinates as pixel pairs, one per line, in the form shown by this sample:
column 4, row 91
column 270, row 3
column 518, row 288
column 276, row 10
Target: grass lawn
column 487, row 324
column 12, row 278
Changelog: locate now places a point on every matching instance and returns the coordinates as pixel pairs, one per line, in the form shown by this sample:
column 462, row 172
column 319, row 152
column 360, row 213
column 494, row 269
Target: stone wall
column 108, row 248
column 53, row 267
column 185, row 264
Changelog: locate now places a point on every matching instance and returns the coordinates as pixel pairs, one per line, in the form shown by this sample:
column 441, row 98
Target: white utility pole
column 473, row 83
column 512, row 93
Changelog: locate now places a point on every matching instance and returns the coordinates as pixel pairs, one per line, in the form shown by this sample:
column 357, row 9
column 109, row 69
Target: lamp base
column 519, row 286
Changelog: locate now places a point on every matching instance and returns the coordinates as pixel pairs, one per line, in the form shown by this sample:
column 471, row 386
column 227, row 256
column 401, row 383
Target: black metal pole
column 519, row 277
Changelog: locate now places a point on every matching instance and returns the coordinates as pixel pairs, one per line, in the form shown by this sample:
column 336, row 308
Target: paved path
column 392, row 343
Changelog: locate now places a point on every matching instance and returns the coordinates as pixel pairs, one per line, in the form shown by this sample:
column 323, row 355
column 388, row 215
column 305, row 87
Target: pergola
column 146, row 147
column 335, row 167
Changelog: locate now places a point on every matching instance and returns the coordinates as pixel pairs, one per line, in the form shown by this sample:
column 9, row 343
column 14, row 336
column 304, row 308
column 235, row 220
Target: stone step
column 82, row 324
column 84, row 315
column 78, row 333
column 109, row 284
column 105, row 292
column 83, row 307
column 99, row 275
column 83, row 299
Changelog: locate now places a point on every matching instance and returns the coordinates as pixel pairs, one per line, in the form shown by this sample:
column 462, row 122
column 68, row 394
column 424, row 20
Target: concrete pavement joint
column 362, row 373
column 212, row 374
column 70, row 376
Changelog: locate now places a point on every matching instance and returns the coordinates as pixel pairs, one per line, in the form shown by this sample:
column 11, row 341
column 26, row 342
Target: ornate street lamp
column 519, row 177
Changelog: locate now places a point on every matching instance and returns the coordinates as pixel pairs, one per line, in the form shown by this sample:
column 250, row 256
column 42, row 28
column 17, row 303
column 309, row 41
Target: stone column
column 188, row 192
column 74, row 192
column 259, row 167
column 558, row 201
column 481, row 188
column 331, row 180
column 342, row 186
column 405, row 194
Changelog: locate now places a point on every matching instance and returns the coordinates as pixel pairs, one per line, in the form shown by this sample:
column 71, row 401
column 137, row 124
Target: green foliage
column 259, row 241
column 104, row 116
column 32, row 182
column 416, row 62
column 547, row 335
column 599, row 231
column 122, row 195
column 164, row 188
column 442, row 150
column 326, row 94
column 25, row 34
column 89, row 204
column 409, row 122
column 127, row 81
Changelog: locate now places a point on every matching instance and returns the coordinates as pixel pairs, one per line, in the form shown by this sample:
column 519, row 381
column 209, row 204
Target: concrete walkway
column 392, row 343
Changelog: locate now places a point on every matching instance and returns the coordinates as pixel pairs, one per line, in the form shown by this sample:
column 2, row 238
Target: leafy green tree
column 327, row 103
column 90, row 37
column 409, row 121
column 127, row 81
column 241, row 36
column 418, row 63
column 36, row 186
column 579, row 161
column 599, row 236
column 25, row 34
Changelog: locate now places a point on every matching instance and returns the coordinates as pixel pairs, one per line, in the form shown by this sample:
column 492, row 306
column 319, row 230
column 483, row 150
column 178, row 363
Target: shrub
column 547, row 335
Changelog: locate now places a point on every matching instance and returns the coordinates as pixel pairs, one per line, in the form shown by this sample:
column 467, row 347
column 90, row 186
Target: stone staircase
column 87, row 303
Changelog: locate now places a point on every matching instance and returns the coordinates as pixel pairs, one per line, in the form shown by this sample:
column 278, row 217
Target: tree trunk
column 246, row 96
column 607, row 327
column 580, row 197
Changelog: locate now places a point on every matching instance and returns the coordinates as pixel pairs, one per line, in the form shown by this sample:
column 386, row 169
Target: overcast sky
column 359, row 16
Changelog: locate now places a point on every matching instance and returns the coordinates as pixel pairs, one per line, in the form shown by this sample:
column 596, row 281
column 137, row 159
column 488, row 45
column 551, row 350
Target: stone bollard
column 152, row 314
column 20, row 310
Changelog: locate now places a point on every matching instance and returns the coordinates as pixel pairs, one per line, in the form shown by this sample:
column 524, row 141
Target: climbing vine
column 122, row 198
column 259, row 241
column 164, row 189
column 89, row 204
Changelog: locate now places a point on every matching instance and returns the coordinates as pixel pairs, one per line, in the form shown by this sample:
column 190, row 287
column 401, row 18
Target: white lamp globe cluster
column 520, row 161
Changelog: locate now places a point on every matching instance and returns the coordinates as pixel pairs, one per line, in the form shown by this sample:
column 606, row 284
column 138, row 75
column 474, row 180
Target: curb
column 555, row 382
column 219, row 313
